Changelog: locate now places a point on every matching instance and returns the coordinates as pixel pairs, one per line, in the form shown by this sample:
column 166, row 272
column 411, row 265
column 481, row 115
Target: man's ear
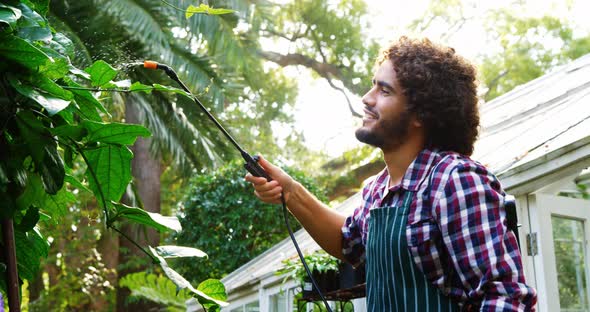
column 417, row 123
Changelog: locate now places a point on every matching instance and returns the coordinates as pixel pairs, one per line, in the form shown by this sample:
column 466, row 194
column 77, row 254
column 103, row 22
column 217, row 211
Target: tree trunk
column 146, row 172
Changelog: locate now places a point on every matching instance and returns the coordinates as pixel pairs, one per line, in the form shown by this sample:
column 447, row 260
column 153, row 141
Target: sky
column 322, row 113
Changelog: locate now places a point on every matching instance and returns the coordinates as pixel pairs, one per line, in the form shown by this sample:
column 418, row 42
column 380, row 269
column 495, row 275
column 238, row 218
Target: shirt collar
column 418, row 170
column 413, row 178
column 415, row 174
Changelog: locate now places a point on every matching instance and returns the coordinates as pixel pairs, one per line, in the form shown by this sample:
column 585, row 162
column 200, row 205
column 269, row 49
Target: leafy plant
column 222, row 215
column 49, row 118
column 156, row 288
column 581, row 192
column 319, row 261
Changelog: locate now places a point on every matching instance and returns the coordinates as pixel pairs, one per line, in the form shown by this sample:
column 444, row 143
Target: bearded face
column 386, row 120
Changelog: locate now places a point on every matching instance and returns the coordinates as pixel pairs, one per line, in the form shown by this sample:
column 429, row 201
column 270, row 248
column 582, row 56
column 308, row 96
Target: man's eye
column 385, row 91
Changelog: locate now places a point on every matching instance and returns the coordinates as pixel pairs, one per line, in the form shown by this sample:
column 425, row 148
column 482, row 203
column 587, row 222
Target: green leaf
column 155, row 288
column 87, row 103
column 62, row 45
column 101, row 73
column 9, row 15
column 43, row 149
column 30, row 17
column 30, row 219
column 155, row 220
column 74, row 132
column 22, row 52
column 35, row 33
column 179, row 251
column 138, row 86
column 32, row 193
column 111, row 166
column 214, row 289
column 75, row 183
column 32, row 26
column 50, row 87
column 30, row 248
column 182, row 283
column 159, row 87
column 114, row 133
column 57, row 205
column 205, row 9
column 52, row 104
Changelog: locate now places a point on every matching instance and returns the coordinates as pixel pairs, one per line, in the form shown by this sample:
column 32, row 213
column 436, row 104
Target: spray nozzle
column 169, row 71
column 150, row 64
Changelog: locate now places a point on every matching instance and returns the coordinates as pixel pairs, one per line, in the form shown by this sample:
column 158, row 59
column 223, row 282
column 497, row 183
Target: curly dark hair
column 441, row 90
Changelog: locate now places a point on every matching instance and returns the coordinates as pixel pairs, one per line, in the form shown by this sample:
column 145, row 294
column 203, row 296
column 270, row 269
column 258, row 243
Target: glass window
column 570, row 259
column 278, row 302
column 252, row 307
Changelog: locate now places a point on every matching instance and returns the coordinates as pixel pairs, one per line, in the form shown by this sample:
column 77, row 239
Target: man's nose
column 369, row 99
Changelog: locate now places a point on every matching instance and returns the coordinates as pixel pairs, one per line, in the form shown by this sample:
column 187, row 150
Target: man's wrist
column 294, row 192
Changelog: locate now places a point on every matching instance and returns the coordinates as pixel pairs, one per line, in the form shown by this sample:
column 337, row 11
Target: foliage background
column 221, row 215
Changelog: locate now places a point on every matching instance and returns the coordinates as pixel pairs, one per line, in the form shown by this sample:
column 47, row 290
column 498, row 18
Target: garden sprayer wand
column 251, row 163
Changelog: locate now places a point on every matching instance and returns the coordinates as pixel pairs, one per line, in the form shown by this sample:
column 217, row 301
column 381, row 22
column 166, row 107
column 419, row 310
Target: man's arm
column 322, row 223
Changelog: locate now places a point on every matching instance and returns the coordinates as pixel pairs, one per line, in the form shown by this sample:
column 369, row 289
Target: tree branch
column 352, row 111
column 324, row 69
column 494, row 83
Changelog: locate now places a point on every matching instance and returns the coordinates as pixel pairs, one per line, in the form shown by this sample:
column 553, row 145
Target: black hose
column 315, row 285
column 255, row 169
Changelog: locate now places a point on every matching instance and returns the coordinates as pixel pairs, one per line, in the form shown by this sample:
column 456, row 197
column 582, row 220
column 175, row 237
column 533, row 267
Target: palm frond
column 189, row 145
column 138, row 22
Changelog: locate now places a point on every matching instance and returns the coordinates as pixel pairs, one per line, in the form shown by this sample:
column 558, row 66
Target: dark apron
column 394, row 283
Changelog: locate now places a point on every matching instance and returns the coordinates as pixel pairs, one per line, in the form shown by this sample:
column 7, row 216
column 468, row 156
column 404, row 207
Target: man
column 431, row 229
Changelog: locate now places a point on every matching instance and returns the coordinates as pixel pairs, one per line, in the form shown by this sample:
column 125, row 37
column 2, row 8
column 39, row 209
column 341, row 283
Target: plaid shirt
column 456, row 231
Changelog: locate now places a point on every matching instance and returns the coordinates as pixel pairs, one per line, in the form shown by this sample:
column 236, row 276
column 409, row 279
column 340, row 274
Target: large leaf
column 138, row 86
column 35, row 33
column 170, row 251
column 154, row 220
column 32, row 193
column 57, row 205
column 30, row 248
column 159, row 87
column 9, row 15
column 101, row 73
column 49, row 86
column 87, row 103
column 30, row 219
column 74, row 132
column 56, row 69
column 109, row 170
column 214, row 289
column 114, row 133
column 156, row 288
column 52, row 104
column 76, row 184
column 62, row 45
column 182, row 283
column 43, row 149
column 22, row 52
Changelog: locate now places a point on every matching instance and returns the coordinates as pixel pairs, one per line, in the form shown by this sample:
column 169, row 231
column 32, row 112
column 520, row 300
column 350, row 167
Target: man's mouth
column 369, row 115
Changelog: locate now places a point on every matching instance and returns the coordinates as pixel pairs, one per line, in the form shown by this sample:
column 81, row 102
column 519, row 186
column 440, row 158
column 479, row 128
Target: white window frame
column 541, row 208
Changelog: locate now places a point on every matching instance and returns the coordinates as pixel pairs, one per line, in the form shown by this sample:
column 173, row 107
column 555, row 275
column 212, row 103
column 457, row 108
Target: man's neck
column 399, row 159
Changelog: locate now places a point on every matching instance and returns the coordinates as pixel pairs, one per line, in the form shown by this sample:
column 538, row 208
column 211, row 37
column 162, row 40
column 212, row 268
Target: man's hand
column 270, row 192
